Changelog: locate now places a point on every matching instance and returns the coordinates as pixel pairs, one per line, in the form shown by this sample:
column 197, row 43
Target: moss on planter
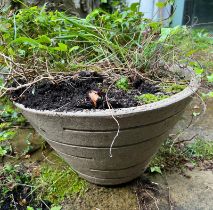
column 150, row 98
column 174, row 88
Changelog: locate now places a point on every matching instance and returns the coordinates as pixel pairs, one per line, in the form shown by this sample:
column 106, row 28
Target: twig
column 46, row 158
column 155, row 200
column 180, row 133
column 118, row 125
column 184, row 140
column 44, row 203
column 14, row 202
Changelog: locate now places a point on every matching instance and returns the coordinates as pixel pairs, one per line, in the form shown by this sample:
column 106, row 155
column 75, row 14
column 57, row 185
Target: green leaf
column 61, row 47
column 198, row 70
column 73, row 48
column 7, row 135
column 210, row 78
column 195, row 114
column 207, row 95
column 161, row 4
column 1, row 82
column 134, row 7
column 210, row 94
column 2, row 152
column 165, row 32
column 44, row 39
column 11, row 51
column 21, row 52
column 123, row 83
column 155, row 169
column 30, row 208
column 26, row 40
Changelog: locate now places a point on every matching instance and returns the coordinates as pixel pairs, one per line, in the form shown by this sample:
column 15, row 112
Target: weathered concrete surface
column 202, row 127
column 175, row 192
column 104, row 198
column 192, row 193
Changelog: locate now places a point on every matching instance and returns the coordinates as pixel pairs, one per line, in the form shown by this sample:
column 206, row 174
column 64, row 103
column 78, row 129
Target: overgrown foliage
column 10, row 119
column 34, row 187
column 173, row 156
column 37, row 45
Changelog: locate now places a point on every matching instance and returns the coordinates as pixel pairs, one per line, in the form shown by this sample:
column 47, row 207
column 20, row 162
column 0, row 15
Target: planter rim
column 188, row 91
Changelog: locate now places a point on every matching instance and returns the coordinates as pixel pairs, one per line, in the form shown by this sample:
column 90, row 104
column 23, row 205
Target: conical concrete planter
column 83, row 138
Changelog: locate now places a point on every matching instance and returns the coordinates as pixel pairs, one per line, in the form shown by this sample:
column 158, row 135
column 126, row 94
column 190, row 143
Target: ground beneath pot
column 87, row 90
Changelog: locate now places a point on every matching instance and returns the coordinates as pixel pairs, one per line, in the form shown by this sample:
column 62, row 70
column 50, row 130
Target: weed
column 9, row 118
column 123, row 83
column 37, row 187
column 121, row 42
column 199, row 150
column 174, row 156
column 16, row 188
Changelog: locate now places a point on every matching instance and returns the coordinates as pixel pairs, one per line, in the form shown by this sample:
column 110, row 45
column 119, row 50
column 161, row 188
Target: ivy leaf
column 155, row 169
column 210, row 78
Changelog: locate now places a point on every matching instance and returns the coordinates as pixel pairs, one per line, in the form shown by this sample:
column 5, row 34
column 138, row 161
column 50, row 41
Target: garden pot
column 83, row 138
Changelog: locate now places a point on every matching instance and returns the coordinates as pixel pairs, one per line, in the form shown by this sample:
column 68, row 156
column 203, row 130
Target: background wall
column 150, row 10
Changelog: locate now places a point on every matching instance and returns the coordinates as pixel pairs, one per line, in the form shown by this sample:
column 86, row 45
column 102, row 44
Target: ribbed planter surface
column 83, row 138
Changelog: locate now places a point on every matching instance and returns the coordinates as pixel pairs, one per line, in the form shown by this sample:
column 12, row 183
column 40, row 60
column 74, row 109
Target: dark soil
column 73, row 93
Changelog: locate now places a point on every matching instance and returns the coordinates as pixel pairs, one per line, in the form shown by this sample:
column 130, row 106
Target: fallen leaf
column 36, row 172
column 23, row 202
column 27, row 156
column 93, row 95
